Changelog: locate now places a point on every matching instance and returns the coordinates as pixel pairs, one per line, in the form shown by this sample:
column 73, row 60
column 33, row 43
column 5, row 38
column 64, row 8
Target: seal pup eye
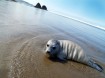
column 54, row 48
column 47, row 45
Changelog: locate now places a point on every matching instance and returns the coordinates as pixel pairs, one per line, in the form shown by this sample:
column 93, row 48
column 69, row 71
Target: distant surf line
column 84, row 22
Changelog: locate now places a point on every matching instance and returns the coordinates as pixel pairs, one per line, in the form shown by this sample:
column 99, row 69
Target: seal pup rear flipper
column 95, row 65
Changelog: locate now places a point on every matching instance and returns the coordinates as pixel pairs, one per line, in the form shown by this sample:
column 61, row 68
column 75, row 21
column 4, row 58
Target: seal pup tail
column 95, row 65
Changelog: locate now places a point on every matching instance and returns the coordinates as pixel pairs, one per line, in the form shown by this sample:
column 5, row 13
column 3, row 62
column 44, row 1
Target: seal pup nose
column 48, row 52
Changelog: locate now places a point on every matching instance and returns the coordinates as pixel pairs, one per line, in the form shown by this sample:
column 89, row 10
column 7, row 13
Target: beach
column 24, row 32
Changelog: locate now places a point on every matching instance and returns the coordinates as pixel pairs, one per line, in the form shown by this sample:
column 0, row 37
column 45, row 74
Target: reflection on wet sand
column 23, row 36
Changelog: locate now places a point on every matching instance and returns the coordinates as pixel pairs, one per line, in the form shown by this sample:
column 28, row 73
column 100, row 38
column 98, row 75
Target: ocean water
column 93, row 23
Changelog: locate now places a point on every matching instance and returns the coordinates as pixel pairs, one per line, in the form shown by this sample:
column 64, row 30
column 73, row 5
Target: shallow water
column 24, row 31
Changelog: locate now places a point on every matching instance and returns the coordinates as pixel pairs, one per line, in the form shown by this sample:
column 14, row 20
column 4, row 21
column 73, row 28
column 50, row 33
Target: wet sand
column 24, row 32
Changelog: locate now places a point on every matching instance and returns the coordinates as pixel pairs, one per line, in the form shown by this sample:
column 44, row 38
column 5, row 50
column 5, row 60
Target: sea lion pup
column 65, row 49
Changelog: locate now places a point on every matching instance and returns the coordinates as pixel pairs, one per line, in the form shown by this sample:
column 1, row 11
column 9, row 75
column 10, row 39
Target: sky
column 89, row 10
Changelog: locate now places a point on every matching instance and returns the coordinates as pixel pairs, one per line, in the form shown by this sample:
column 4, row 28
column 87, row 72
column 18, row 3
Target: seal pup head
column 52, row 47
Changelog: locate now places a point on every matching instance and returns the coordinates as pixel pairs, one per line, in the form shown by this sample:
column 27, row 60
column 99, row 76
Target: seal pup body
column 68, row 50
